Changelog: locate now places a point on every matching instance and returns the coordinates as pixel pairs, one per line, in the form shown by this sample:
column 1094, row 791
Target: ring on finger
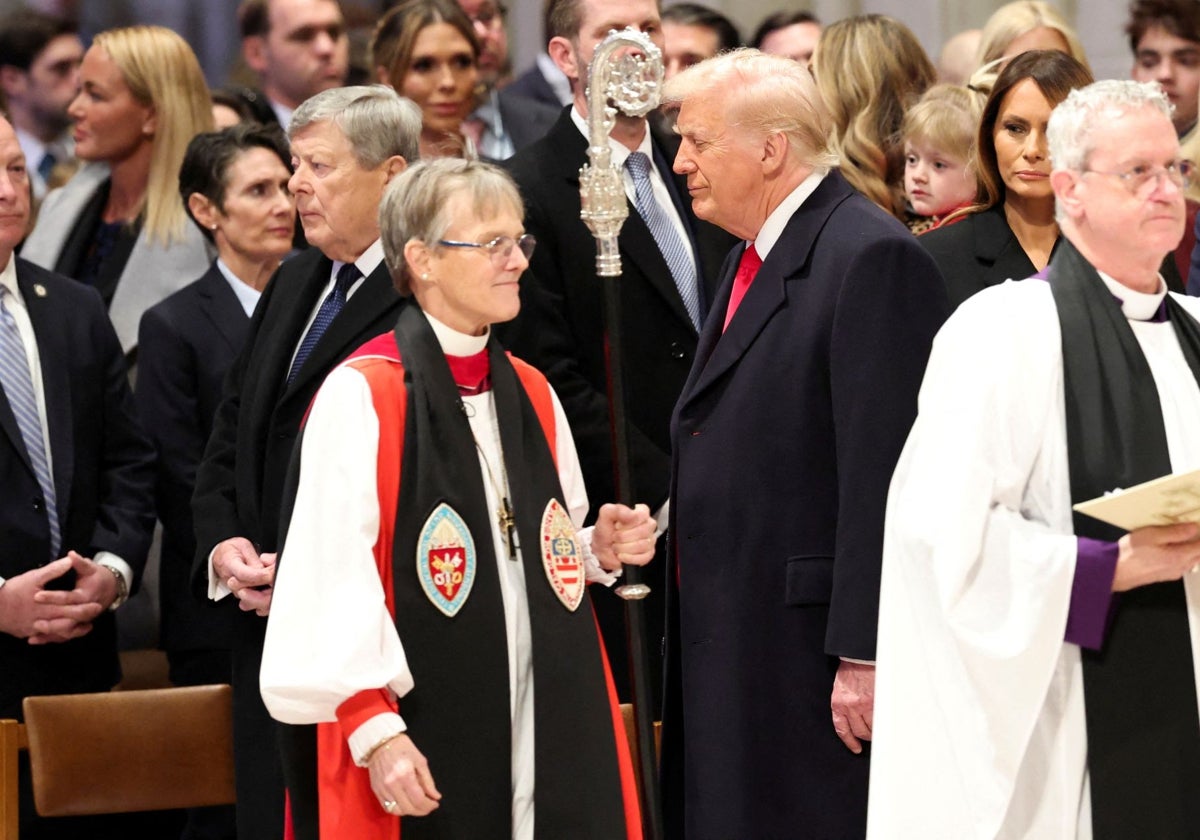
column 389, row 805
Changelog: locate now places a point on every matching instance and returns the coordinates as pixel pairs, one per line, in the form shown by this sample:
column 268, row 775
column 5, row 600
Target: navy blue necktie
column 347, row 275
column 46, row 165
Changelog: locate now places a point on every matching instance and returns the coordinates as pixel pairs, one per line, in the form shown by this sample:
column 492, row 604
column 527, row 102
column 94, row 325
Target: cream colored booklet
column 1163, row 501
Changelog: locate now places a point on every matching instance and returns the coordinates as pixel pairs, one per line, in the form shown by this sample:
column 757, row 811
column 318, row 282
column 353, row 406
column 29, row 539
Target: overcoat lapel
column 718, row 352
column 374, row 295
column 53, row 354
column 291, row 327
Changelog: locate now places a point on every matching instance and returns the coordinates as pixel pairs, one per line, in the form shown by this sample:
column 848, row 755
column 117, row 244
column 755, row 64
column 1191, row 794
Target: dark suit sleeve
column 166, row 396
column 214, row 503
column 125, row 504
column 891, row 304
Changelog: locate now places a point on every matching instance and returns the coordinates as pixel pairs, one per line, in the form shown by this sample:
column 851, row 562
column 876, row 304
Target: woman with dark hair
column 1010, row 231
column 427, row 51
column 234, row 186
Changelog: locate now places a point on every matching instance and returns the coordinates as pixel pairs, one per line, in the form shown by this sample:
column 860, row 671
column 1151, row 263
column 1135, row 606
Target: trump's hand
column 853, row 703
column 623, row 535
column 249, row 575
column 401, row 779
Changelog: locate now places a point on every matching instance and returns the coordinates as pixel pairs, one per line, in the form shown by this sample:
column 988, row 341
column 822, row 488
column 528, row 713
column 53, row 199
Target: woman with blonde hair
column 1027, row 25
column 119, row 223
column 427, row 51
column 870, row 70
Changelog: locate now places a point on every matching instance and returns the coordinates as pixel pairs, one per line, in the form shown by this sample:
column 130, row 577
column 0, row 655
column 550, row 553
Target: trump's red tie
column 747, row 268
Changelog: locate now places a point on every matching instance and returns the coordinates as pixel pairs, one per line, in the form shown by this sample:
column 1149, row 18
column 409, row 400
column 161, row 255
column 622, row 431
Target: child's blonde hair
column 947, row 118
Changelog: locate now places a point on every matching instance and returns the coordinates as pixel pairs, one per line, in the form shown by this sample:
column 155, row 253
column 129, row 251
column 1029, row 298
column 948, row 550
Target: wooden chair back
column 121, row 751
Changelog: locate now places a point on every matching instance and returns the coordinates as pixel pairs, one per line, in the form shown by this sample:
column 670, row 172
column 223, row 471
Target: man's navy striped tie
column 18, row 388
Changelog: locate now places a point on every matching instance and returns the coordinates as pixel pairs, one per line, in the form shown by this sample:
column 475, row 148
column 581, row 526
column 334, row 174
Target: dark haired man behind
column 506, row 120
column 1165, row 38
column 39, row 74
column 297, row 48
column 793, row 35
column 693, row 33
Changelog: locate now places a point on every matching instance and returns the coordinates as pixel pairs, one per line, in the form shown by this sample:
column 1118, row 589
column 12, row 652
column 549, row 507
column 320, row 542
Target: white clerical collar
column 1137, row 306
column 620, row 152
column 778, row 219
column 455, row 343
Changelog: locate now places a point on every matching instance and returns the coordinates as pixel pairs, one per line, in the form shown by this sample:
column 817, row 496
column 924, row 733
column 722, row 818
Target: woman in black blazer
column 1010, row 232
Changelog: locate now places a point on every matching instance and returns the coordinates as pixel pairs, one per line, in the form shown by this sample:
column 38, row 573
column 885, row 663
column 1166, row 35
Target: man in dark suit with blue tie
column 347, row 144
column 785, row 437
column 669, row 264
column 75, row 473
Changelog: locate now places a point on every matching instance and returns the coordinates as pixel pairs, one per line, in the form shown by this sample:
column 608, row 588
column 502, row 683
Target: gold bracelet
column 381, row 744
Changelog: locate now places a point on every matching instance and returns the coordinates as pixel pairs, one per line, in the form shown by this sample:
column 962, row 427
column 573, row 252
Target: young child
column 939, row 135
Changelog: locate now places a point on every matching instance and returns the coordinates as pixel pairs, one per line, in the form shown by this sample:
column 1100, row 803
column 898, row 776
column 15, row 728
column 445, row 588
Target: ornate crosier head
column 625, row 76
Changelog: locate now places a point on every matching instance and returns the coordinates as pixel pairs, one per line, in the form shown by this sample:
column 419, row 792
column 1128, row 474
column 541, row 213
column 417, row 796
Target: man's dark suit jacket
column 525, row 120
column 561, row 332
column 533, row 85
column 188, row 342
column 239, row 485
column 785, row 437
column 103, row 479
column 982, row 250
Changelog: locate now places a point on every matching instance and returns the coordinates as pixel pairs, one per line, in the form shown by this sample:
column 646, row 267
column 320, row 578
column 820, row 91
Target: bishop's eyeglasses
column 500, row 248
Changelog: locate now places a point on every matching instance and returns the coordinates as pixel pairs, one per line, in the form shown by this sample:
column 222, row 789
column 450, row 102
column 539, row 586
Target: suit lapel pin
column 39, row 290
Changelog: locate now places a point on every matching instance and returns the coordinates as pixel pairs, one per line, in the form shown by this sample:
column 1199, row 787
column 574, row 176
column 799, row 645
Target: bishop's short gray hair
column 418, row 204
column 1090, row 110
column 378, row 122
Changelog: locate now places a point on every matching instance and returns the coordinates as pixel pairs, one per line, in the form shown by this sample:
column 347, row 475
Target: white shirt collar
column 8, row 277
column 620, row 152
column 455, row 343
column 282, row 113
column 246, row 294
column 773, row 227
column 368, row 260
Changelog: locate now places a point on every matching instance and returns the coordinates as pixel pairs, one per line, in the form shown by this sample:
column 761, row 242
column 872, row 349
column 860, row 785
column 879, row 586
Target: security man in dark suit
column 75, row 474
